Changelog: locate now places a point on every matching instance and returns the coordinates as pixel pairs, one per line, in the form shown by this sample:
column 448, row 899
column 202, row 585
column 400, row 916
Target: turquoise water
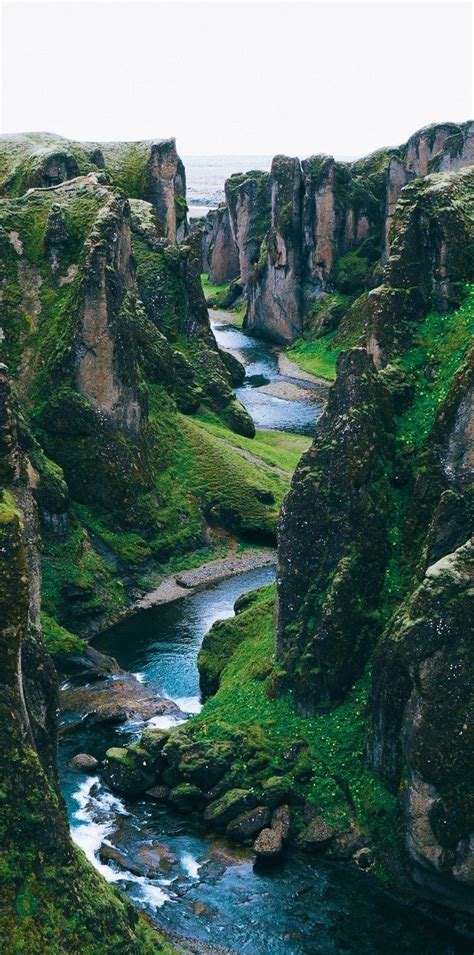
column 261, row 366
column 208, row 891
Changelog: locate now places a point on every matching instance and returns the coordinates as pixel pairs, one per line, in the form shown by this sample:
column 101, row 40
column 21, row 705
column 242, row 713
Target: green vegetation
column 337, row 322
column 437, row 353
column 216, row 294
column 58, row 640
column 330, row 770
column 319, row 357
column 278, row 449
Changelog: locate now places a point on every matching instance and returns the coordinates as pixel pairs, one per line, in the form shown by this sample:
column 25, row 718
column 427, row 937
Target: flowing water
column 204, row 889
column 261, row 366
column 188, row 881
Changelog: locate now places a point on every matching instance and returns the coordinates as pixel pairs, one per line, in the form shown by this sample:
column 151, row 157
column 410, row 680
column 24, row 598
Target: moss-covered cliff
column 51, row 899
column 348, row 732
column 107, row 340
column 304, row 257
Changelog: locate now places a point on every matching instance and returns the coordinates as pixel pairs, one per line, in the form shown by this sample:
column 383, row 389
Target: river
column 204, row 889
column 274, row 400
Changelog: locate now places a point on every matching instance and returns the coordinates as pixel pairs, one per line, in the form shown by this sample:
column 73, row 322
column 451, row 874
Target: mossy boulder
column 277, row 790
column 129, row 770
column 205, row 764
column 187, row 798
column 246, row 826
column 219, row 813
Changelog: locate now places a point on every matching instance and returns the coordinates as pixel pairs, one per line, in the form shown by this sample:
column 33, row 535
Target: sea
column 206, row 175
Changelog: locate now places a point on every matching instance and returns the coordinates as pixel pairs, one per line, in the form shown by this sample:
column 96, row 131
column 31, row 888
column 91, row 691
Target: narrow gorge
column 235, row 561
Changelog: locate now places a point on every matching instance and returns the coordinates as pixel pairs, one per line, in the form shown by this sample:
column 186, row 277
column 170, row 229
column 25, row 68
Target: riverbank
column 188, row 582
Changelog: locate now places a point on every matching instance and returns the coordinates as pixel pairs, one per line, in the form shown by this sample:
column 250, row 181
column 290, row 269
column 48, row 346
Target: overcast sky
column 237, row 78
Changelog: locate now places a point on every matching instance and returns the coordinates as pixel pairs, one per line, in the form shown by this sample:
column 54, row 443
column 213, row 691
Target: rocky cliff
column 150, row 170
column 107, row 339
column 331, row 236
column 44, row 881
column 383, row 497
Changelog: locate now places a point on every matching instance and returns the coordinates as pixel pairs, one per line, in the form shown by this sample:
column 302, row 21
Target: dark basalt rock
column 333, row 539
column 246, row 826
column 219, row 813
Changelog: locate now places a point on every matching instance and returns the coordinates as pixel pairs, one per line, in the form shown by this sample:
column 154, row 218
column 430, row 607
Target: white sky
column 297, row 78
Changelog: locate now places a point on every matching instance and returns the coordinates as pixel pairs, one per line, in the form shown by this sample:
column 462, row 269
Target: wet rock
column 113, row 701
column 84, row 763
column 108, row 853
column 158, row 793
column 248, row 824
column 317, row 834
column 364, row 858
column 281, row 820
column 90, row 661
column 128, row 770
column 187, row 798
column 268, row 844
column 153, row 859
column 219, row 813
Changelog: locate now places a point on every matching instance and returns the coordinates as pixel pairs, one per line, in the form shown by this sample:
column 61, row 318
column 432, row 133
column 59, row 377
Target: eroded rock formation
column 333, row 235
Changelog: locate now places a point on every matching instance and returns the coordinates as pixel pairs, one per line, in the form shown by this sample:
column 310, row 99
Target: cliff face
column 44, row 880
column 373, row 560
column 338, row 231
column 150, row 170
column 107, row 339
column 220, row 253
column 274, row 288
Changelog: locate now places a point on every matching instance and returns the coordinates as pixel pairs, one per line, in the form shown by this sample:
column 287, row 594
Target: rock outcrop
column 274, row 291
column 220, row 253
column 373, row 559
column 44, row 880
column 149, row 170
column 333, row 234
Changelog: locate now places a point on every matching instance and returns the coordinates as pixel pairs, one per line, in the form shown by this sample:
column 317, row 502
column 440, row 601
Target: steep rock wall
column 373, row 560
column 274, row 290
column 340, row 237
column 149, row 170
column 44, row 880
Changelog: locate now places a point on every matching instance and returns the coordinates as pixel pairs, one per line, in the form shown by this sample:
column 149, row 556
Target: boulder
column 219, row 813
column 268, row 844
column 158, row 793
column 317, row 834
column 187, row 798
column 277, row 790
column 204, row 764
column 128, row 770
column 281, row 821
column 248, row 824
column 84, row 763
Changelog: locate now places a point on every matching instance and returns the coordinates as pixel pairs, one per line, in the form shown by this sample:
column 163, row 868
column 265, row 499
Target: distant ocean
column 206, row 175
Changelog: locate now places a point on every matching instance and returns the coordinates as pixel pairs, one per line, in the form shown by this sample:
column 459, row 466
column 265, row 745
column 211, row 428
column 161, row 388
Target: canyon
column 335, row 722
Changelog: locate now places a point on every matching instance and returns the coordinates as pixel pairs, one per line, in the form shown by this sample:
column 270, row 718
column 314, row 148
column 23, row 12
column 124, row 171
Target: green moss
column 438, row 348
column 331, row 771
column 8, row 508
column 59, row 641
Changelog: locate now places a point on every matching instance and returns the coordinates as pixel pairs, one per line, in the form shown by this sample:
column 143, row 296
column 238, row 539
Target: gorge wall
column 383, row 494
column 336, row 718
column 51, row 899
column 318, row 226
